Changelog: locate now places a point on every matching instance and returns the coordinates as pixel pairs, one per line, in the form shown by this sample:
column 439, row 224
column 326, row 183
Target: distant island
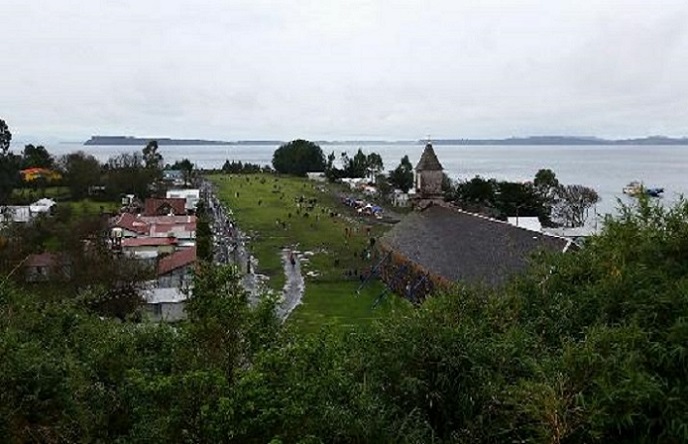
column 564, row 140
column 533, row 140
column 140, row 141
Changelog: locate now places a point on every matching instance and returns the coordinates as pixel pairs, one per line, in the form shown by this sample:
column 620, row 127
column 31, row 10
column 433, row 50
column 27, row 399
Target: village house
column 317, row 176
column 182, row 228
column 146, row 248
column 438, row 245
column 46, row 266
column 174, row 177
column 164, row 207
column 191, row 198
column 130, row 225
column 400, row 199
column 165, row 304
column 176, row 269
column 26, row 213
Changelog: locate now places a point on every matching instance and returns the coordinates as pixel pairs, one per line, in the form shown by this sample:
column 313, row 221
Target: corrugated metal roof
column 176, row 260
column 147, row 242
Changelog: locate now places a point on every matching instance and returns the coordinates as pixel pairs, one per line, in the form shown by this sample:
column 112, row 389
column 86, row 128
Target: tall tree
column 572, row 204
column 374, row 164
column 402, row 176
column 9, row 164
column 126, row 173
column 298, row 157
column 81, row 171
column 152, row 161
column 356, row 166
column 186, row 167
column 5, row 138
column 36, row 157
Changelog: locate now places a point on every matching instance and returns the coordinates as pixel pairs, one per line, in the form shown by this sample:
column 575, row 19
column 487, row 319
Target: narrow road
column 230, row 247
column 292, row 293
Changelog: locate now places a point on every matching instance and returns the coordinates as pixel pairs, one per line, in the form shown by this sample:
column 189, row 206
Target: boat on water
column 633, row 188
column 654, row 192
column 636, row 188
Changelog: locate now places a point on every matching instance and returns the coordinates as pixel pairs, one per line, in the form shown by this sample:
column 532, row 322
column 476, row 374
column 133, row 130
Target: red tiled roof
column 177, row 260
column 131, row 222
column 171, row 228
column 43, row 260
column 156, row 206
column 148, row 241
column 168, row 219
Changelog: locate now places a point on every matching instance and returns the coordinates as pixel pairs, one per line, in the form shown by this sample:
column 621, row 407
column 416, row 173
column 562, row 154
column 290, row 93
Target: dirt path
column 229, row 246
column 294, row 286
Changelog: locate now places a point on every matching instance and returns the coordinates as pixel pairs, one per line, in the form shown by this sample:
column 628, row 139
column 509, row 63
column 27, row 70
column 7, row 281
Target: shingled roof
column 428, row 160
column 461, row 246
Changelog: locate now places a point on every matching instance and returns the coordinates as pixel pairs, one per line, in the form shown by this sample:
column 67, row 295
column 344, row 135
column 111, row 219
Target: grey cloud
column 345, row 68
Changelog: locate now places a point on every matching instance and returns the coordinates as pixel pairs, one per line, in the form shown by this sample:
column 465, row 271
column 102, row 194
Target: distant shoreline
column 535, row 140
column 565, row 140
column 142, row 141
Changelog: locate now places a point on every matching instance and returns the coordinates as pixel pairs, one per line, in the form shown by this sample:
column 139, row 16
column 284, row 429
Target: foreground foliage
column 591, row 347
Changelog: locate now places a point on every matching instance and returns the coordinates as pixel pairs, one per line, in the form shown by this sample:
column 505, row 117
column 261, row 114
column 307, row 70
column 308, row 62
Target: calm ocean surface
column 605, row 168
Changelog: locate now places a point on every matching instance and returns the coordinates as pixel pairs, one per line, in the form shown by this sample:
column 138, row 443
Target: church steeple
column 429, row 175
column 428, row 160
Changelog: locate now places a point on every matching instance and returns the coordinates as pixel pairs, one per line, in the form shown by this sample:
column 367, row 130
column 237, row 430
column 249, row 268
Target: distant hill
column 564, row 140
column 534, row 140
column 141, row 141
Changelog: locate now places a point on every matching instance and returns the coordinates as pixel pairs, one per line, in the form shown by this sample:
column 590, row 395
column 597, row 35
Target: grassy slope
column 330, row 298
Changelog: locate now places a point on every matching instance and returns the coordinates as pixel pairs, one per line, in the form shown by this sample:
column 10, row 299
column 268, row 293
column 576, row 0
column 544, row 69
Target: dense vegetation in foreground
column 591, row 347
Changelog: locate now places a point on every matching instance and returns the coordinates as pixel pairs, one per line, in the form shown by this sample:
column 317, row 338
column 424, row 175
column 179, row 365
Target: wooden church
column 438, row 245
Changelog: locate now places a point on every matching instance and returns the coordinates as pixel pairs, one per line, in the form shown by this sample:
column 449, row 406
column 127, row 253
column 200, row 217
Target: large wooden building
column 438, row 244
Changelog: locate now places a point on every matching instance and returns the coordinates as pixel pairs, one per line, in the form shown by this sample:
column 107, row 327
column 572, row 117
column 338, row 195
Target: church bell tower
column 429, row 176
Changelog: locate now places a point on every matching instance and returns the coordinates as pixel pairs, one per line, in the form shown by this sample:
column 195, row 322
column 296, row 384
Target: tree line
column 136, row 173
column 300, row 156
column 555, row 204
column 544, row 197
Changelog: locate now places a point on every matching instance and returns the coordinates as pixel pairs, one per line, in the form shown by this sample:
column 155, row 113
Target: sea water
column 607, row 169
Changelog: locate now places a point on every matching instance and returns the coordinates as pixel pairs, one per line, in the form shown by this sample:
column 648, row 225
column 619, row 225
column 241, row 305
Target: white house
column 165, row 304
column 317, row 176
column 42, row 206
column 400, row 199
column 192, row 196
column 15, row 213
column 529, row 223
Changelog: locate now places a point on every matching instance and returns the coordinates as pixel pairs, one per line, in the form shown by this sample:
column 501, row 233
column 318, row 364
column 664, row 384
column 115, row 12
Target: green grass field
column 90, row 207
column 29, row 195
column 63, row 197
column 266, row 208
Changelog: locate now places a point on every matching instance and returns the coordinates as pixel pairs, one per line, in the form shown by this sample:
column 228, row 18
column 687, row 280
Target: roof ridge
column 492, row 219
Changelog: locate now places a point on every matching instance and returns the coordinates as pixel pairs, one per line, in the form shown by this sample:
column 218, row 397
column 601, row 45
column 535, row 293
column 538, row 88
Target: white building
column 191, row 195
column 529, row 223
column 165, row 304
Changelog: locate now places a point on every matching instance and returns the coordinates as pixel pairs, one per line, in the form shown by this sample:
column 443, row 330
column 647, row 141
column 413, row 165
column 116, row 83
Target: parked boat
column 654, row 192
column 633, row 188
column 637, row 188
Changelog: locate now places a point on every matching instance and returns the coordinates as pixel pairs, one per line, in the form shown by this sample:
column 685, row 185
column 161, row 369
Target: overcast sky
column 343, row 69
